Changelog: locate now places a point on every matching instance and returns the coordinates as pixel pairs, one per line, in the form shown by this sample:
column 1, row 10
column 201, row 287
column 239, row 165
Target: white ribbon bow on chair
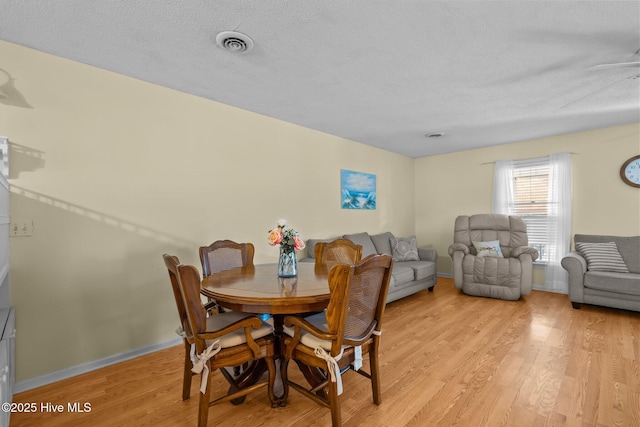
column 332, row 366
column 181, row 332
column 201, row 364
column 192, row 353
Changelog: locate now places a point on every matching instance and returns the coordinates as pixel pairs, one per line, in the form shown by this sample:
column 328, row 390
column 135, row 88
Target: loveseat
column 598, row 276
column 414, row 269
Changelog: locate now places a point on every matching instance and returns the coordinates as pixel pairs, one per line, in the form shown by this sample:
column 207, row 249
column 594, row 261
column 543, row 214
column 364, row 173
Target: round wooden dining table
column 258, row 289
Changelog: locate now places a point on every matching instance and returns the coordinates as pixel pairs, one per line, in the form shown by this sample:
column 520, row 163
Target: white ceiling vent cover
column 234, row 41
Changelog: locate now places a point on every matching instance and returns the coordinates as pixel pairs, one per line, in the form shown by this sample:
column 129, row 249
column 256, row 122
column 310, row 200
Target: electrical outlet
column 21, row 228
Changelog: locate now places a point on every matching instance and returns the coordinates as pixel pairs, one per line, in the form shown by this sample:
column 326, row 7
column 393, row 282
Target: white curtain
column 558, row 214
column 503, row 187
column 559, row 224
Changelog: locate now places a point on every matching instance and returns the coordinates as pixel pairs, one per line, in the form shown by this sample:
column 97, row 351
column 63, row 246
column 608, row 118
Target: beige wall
column 114, row 172
column 462, row 184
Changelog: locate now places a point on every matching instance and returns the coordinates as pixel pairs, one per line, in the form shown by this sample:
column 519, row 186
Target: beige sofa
column 591, row 285
column 407, row 277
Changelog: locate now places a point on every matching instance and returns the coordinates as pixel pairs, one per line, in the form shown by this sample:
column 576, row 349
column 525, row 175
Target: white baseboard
column 63, row 374
column 73, row 371
column 542, row 288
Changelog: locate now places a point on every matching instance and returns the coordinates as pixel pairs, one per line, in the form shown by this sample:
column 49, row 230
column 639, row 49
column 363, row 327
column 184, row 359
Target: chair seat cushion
column 318, row 320
column 237, row 337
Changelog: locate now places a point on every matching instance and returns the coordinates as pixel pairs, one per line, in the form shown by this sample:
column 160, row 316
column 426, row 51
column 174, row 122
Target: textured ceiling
column 383, row 73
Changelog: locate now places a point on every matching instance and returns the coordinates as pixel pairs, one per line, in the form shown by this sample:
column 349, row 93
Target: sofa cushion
column 623, row 283
column 382, row 242
column 404, row 249
column 602, row 257
column 392, row 285
column 421, row 269
column 492, row 271
column 311, row 246
column 629, row 248
column 402, row 274
column 364, row 240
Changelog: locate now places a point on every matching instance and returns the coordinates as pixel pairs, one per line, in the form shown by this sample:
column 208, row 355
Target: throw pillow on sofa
column 404, row 249
column 602, row 257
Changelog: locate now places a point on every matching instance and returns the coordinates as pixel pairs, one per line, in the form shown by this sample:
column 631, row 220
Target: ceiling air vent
column 234, row 41
column 435, row 135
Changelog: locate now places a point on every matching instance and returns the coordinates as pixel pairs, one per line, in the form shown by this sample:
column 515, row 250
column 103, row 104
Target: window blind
column 531, row 200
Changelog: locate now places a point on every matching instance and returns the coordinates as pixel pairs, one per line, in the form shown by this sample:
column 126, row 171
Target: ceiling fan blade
column 632, row 61
column 615, row 65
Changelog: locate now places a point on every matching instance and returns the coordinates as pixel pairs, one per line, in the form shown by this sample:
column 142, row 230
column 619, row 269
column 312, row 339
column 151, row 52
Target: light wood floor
column 447, row 359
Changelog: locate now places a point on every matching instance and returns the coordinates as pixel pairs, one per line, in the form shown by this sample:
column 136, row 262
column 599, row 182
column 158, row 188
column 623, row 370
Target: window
column 531, row 202
column 539, row 190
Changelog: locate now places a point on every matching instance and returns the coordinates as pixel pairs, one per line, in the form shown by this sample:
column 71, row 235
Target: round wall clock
column 630, row 172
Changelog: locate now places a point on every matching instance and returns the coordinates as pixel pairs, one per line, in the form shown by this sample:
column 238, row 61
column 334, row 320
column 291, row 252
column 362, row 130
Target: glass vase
column 287, row 263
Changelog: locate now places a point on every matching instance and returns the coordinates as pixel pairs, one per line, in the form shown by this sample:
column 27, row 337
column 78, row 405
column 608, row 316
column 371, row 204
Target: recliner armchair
column 499, row 271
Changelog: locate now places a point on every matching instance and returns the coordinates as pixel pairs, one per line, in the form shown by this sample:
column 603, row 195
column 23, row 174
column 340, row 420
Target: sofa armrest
column 576, row 266
column 525, row 250
column 457, row 252
column 457, row 256
column 428, row 254
column 458, row 247
column 574, row 263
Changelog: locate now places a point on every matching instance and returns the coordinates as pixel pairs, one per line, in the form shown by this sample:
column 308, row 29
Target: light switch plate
column 21, row 228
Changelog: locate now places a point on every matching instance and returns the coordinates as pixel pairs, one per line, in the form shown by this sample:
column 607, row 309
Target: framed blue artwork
column 358, row 190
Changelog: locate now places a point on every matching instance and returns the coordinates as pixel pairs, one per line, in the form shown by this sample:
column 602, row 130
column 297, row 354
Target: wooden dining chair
column 333, row 340
column 224, row 255
column 339, row 251
column 220, row 340
column 172, row 263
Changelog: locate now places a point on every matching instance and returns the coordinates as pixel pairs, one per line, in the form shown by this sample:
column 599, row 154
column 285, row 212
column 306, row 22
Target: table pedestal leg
column 250, row 376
